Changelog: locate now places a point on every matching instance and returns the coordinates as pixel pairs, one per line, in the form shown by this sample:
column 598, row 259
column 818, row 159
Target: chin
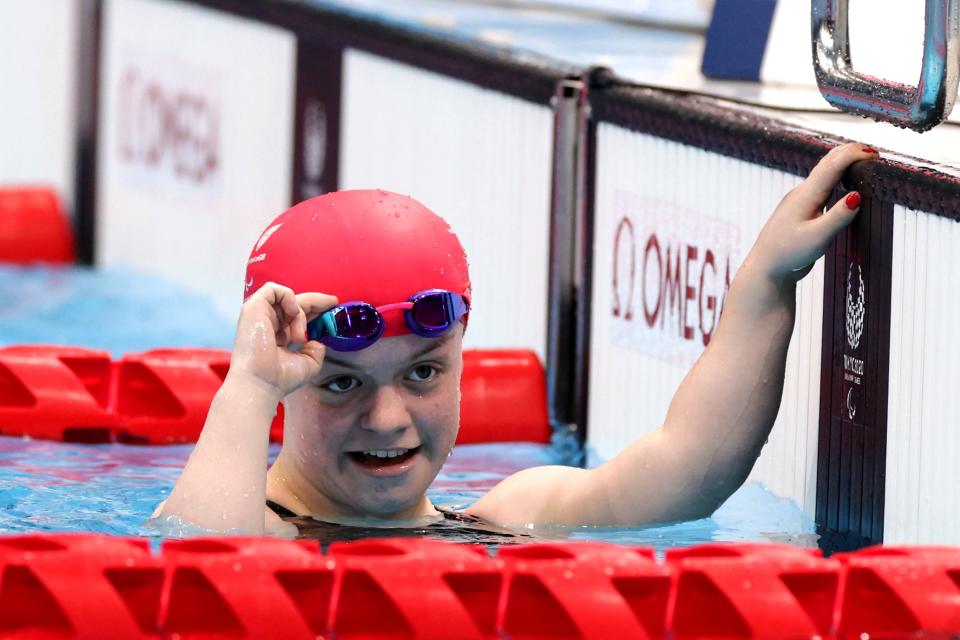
column 385, row 500
column 389, row 507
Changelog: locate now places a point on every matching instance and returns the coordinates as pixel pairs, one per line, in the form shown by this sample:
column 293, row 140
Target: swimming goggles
column 352, row 326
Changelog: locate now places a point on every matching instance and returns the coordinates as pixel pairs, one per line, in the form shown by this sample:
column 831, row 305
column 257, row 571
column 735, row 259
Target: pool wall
column 195, row 143
column 558, row 177
column 922, row 441
column 38, row 68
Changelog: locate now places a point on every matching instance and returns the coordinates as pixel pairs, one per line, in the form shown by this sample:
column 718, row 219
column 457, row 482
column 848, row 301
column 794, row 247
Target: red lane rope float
column 899, row 592
column 753, row 590
column 162, row 396
column 503, row 397
column 33, row 227
column 93, row 586
column 56, row 393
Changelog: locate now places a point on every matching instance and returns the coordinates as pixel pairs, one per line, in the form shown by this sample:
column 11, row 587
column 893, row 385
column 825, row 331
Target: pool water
column 113, row 488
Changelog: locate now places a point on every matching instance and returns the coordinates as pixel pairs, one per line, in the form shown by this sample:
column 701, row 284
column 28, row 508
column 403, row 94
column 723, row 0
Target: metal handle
column 920, row 107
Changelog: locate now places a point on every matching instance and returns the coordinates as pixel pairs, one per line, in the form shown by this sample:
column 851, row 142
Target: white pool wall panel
column 479, row 158
column 38, row 72
column 692, row 196
column 922, row 504
column 191, row 211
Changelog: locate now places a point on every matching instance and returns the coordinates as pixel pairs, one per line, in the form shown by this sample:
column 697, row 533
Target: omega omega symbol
column 856, row 308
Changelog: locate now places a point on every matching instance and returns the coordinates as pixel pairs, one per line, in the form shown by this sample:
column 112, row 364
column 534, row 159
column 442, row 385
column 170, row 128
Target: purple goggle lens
column 357, row 325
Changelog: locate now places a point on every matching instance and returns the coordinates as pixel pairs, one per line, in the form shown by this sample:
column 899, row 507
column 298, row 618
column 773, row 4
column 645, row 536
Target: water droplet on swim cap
column 349, row 244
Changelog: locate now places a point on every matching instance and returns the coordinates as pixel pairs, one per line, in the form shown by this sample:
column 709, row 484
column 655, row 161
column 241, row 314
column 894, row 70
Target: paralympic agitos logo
column 670, row 278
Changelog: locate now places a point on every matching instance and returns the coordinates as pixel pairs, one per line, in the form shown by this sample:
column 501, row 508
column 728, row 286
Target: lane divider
column 95, row 586
column 76, row 394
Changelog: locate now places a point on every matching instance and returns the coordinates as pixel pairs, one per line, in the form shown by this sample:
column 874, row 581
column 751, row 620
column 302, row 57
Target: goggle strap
column 395, row 305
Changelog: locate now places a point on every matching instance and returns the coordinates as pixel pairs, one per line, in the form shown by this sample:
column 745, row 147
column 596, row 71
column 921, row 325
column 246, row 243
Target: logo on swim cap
column 266, row 236
column 364, row 245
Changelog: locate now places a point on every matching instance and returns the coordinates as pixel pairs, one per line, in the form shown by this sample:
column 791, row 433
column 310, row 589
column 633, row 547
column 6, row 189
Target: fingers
column 824, row 177
column 283, row 309
column 836, row 218
column 313, row 304
column 291, row 312
column 816, row 235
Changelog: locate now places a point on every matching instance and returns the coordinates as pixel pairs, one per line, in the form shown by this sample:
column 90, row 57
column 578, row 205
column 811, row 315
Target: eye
column 342, row 384
column 422, row 373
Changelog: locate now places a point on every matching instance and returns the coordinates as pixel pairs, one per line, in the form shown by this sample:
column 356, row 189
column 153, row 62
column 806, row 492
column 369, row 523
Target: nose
column 387, row 411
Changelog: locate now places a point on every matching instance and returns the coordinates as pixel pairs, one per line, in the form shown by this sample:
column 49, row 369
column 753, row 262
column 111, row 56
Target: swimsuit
column 455, row 527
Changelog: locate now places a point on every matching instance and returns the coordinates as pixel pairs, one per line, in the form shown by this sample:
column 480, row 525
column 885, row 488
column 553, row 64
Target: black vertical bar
column 854, row 381
column 585, row 257
column 316, row 142
column 566, row 217
column 87, row 115
column 862, row 523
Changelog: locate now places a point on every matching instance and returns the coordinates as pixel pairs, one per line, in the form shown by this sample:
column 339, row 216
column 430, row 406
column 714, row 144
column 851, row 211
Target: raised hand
column 797, row 233
column 271, row 321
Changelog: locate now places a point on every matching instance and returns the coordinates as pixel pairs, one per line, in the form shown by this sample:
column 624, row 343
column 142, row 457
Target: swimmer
column 371, row 391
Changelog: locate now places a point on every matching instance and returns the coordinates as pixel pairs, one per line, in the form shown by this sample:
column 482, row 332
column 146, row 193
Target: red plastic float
column 245, row 587
column 901, row 592
column 504, row 397
column 33, row 227
column 91, row 586
column 78, row 586
column 418, row 589
column 162, row 396
column 56, row 393
column 587, row 590
column 753, row 591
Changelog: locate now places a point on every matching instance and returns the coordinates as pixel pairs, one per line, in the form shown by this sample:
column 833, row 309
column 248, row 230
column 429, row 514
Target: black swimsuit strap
column 458, row 516
column 280, row 510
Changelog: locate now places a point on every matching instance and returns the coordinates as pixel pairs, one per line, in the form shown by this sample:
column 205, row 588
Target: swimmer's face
column 398, row 398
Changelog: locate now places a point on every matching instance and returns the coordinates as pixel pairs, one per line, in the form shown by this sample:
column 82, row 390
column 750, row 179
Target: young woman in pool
column 369, row 422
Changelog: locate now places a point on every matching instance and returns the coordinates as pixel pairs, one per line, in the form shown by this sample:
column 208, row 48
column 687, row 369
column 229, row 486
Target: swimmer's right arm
column 223, row 485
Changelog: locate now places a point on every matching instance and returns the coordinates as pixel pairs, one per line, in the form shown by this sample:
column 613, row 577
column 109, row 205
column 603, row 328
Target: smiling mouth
column 379, row 458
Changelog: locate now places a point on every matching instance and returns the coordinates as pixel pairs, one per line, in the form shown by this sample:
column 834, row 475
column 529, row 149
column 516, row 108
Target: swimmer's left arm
column 723, row 410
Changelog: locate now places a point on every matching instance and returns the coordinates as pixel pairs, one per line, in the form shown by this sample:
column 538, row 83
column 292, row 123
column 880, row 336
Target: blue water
column 50, row 486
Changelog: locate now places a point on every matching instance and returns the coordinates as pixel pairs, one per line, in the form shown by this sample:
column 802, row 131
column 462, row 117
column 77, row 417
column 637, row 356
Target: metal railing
column 919, row 107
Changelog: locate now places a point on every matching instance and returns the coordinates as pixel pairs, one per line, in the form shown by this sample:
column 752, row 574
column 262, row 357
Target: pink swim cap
column 365, row 245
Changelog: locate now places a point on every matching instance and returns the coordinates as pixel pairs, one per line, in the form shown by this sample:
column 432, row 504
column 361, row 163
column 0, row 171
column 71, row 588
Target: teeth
column 386, row 453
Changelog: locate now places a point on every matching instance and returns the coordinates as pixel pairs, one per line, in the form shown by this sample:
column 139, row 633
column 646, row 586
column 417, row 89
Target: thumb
column 315, row 351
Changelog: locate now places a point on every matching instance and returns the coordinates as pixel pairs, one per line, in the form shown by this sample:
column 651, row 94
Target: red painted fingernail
column 870, row 150
column 852, row 200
